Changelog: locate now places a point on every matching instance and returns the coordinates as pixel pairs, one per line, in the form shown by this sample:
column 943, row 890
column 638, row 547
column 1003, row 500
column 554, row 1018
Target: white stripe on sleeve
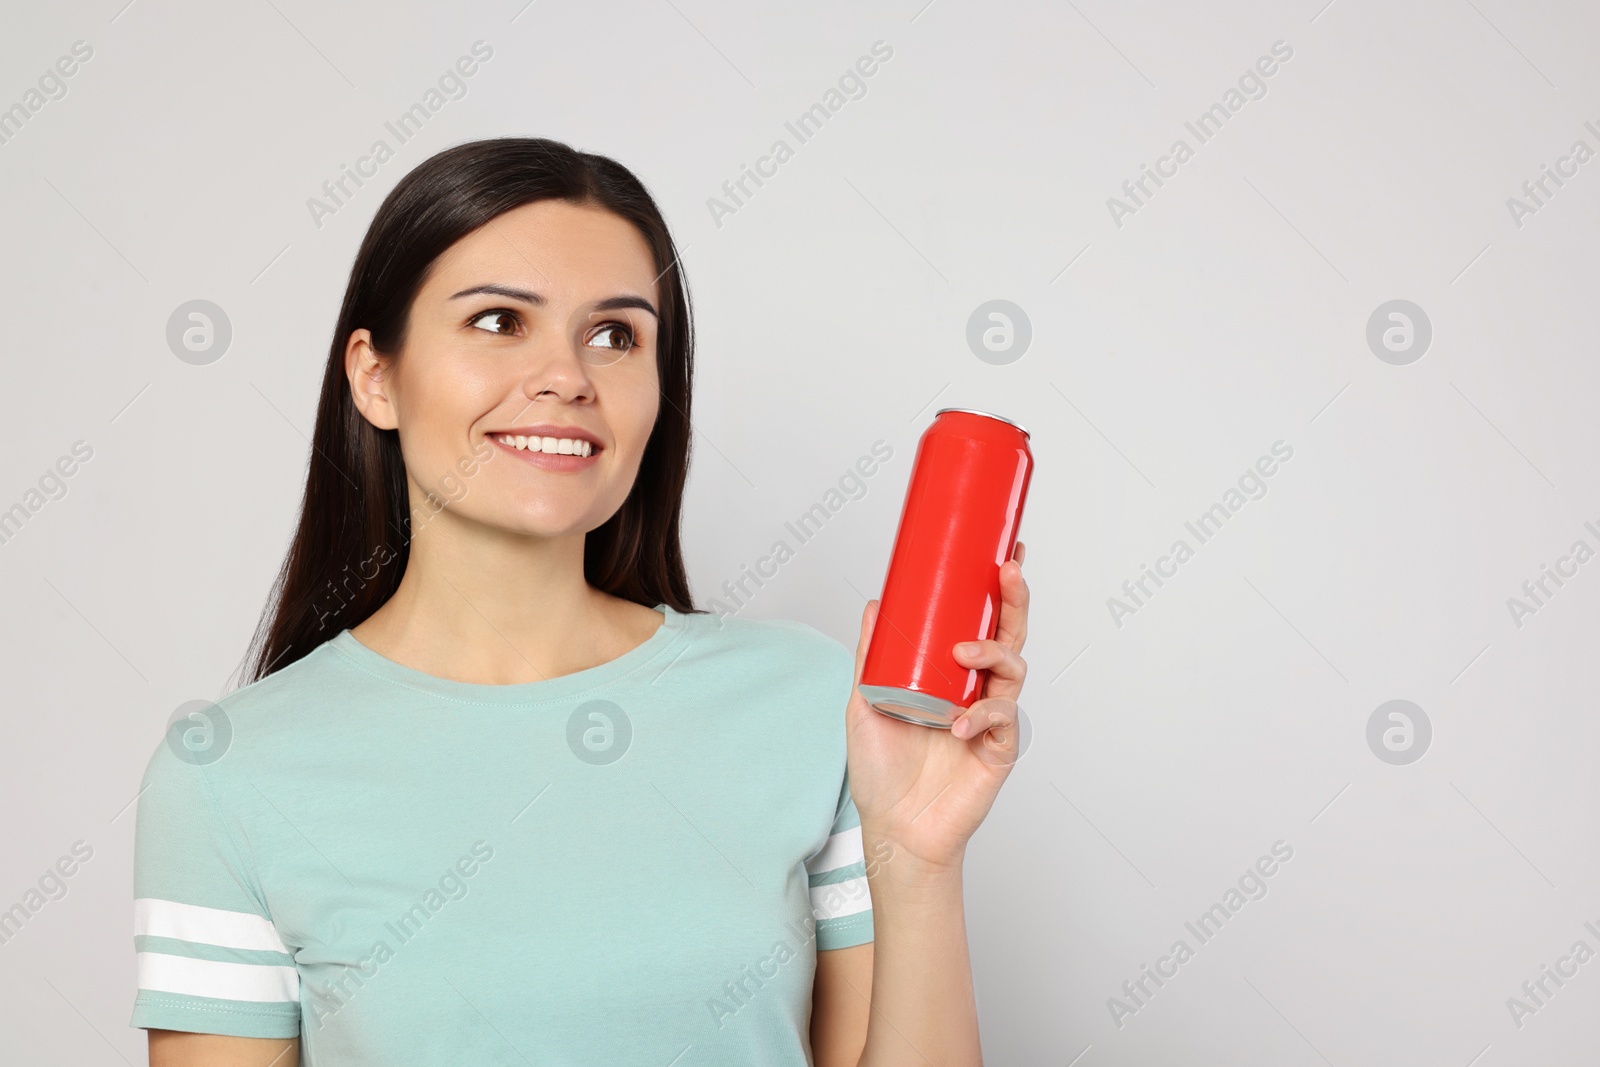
column 841, row 850
column 211, row 978
column 848, row 897
column 205, row 926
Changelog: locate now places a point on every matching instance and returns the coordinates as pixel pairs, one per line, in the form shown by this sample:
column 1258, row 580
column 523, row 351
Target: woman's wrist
column 922, row 996
column 895, row 869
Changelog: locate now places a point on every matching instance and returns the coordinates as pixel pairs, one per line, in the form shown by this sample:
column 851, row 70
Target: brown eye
column 498, row 313
column 614, row 329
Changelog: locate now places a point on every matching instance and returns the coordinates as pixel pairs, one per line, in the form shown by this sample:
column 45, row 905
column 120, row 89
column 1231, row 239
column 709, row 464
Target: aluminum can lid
column 985, row 414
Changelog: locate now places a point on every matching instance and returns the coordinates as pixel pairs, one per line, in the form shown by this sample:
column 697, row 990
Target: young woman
column 496, row 792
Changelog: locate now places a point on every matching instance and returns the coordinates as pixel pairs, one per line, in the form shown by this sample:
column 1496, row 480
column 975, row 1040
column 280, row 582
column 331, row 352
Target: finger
column 1007, row 669
column 1018, row 554
column 1001, row 745
column 1014, row 596
column 992, row 715
column 992, row 655
column 989, row 713
column 869, row 620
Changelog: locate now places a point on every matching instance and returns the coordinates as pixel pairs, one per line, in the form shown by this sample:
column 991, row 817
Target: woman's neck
column 499, row 609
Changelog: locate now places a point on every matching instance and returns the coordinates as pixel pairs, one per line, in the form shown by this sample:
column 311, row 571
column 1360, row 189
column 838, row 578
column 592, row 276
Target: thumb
column 869, row 621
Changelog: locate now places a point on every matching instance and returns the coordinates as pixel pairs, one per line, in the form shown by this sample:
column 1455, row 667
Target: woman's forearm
column 923, row 1010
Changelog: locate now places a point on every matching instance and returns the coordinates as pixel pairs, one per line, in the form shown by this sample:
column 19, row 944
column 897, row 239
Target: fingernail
column 966, row 648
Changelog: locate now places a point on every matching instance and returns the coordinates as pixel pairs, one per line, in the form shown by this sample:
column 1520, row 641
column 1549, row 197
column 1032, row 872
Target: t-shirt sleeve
column 841, row 902
column 209, row 957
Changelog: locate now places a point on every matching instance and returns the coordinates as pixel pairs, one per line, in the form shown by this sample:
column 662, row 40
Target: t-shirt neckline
column 536, row 692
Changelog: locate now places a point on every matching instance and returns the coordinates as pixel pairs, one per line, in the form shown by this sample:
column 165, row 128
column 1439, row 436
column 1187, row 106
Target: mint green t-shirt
column 632, row 864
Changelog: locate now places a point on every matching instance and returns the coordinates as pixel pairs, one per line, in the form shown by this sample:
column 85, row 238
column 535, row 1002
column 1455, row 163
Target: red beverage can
column 958, row 525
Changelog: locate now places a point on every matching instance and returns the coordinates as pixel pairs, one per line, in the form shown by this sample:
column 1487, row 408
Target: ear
column 367, row 372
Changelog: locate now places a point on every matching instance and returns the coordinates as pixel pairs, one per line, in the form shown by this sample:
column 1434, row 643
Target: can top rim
column 987, row 415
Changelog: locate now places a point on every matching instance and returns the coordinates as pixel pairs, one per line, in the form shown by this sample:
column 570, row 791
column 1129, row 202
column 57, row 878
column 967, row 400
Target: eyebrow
column 611, row 303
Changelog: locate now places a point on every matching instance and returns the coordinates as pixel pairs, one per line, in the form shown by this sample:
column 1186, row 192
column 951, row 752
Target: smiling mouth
column 552, row 446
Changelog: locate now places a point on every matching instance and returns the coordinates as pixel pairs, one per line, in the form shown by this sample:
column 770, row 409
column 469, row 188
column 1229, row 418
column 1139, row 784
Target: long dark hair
column 353, row 540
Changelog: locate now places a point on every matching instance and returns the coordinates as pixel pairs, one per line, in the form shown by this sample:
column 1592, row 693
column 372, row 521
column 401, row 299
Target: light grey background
column 1228, row 312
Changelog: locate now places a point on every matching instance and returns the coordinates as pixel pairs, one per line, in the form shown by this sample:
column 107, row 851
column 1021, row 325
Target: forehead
column 558, row 249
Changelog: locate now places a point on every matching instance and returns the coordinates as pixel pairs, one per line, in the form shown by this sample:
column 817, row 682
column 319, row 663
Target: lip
column 550, row 429
column 549, row 461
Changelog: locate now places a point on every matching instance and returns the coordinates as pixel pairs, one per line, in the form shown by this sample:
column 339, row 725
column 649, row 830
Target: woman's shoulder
column 779, row 642
column 201, row 732
column 288, row 687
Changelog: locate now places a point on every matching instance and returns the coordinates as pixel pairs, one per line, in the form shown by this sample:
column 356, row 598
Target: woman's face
column 532, row 343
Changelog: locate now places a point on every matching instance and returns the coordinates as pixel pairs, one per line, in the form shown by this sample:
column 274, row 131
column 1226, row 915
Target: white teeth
column 555, row 446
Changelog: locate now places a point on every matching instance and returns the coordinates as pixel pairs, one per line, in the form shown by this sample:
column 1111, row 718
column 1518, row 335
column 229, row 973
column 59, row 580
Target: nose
column 558, row 370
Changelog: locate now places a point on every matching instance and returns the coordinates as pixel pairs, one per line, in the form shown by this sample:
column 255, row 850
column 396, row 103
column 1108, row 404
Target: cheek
column 644, row 405
column 440, row 404
column 631, row 402
column 459, row 387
